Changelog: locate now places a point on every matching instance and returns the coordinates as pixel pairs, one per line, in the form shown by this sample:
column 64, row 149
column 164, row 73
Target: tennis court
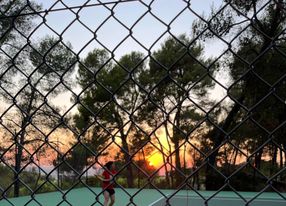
column 148, row 197
column 183, row 200
column 85, row 197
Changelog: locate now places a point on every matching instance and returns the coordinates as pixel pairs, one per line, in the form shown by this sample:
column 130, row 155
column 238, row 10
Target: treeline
column 124, row 104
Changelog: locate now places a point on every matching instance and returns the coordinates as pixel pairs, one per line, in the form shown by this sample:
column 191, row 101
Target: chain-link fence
column 181, row 95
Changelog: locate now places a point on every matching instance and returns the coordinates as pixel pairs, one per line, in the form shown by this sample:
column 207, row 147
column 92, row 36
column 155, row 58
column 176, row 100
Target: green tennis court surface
column 146, row 197
column 180, row 200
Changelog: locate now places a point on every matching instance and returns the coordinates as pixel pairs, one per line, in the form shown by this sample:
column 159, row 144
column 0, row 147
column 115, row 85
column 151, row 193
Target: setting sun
column 155, row 160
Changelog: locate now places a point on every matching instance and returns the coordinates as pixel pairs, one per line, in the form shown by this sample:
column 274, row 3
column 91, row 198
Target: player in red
column 107, row 183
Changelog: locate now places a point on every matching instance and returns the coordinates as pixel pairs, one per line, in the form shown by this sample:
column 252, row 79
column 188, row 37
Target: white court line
column 219, row 198
column 233, row 198
column 153, row 203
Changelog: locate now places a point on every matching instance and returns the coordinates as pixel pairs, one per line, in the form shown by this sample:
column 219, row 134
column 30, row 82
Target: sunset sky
column 147, row 31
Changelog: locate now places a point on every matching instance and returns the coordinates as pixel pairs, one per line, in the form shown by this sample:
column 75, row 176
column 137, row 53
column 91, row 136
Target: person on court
column 107, row 183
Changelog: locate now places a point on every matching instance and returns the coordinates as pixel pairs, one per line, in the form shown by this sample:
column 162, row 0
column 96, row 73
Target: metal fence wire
column 181, row 95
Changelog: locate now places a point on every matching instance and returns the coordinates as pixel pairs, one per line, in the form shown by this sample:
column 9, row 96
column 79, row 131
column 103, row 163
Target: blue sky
column 111, row 33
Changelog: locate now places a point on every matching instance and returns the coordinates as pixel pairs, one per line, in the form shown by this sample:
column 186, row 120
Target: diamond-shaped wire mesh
column 181, row 95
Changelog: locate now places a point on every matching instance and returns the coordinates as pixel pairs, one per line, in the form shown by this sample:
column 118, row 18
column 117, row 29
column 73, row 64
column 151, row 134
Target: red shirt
column 108, row 184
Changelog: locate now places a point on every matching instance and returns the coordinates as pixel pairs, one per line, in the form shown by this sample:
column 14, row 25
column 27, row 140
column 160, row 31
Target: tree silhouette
column 110, row 98
column 178, row 82
column 31, row 115
column 255, row 66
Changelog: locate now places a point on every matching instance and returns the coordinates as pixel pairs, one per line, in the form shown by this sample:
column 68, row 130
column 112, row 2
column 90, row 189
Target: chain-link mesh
column 181, row 95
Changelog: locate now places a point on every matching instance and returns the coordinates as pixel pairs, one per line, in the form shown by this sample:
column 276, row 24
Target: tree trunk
column 197, row 177
column 219, row 135
column 184, row 157
column 281, row 157
column 20, row 144
column 39, row 172
column 258, row 159
column 164, row 161
column 284, row 147
column 17, row 168
column 169, row 159
column 177, row 155
column 177, row 163
column 257, row 164
column 127, row 159
column 18, row 159
column 138, row 174
column 235, row 157
column 218, row 139
column 274, row 160
column 176, row 141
